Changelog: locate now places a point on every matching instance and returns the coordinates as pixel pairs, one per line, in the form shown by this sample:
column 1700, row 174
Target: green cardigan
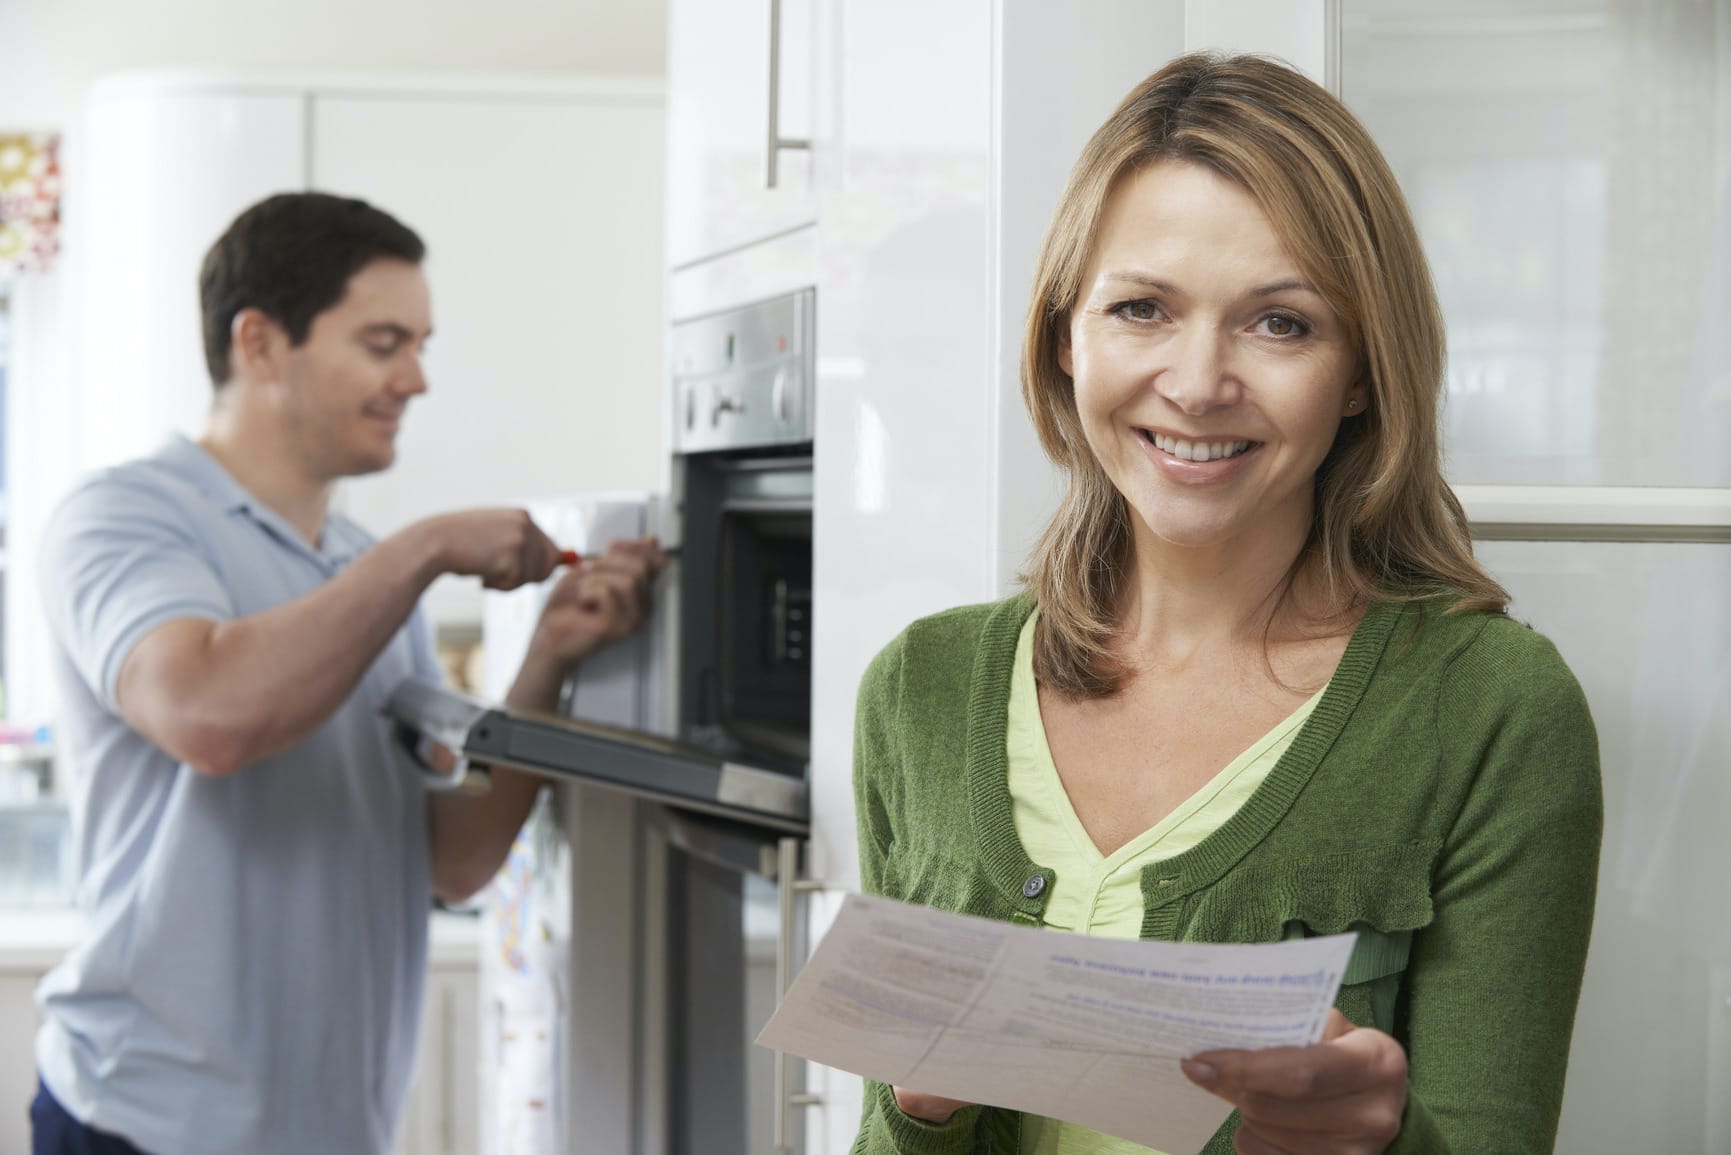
column 1443, row 800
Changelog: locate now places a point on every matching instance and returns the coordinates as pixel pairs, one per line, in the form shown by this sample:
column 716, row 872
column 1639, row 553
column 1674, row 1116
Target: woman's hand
column 1343, row 1096
column 927, row 1108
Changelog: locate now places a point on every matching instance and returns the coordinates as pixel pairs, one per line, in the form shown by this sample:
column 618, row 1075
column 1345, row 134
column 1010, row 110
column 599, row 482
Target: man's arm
column 223, row 695
column 591, row 607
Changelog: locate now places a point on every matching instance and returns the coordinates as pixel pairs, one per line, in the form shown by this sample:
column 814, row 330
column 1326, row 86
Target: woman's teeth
column 1196, row 450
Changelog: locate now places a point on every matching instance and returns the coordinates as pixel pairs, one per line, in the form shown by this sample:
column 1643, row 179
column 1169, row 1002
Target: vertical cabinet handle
column 789, row 886
column 777, row 142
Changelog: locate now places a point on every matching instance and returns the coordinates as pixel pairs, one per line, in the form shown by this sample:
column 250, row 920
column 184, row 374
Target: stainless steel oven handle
column 789, row 886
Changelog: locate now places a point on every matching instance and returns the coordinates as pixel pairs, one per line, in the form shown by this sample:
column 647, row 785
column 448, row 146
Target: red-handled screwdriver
column 572, row 557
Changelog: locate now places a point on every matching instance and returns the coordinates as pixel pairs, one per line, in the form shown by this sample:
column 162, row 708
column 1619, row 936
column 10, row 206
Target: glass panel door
column 1647, row 629
column 1567, row 164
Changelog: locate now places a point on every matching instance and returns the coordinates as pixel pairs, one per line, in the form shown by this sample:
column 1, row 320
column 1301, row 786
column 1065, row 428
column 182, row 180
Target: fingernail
column 1199, row 1071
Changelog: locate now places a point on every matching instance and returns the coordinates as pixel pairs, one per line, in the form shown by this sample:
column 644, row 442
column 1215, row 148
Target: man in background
column 258, row 853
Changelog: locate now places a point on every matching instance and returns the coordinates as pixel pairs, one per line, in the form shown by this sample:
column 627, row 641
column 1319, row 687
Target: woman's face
column 1209, row 375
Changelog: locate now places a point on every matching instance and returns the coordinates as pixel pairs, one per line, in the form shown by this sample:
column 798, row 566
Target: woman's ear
column 1064, row 360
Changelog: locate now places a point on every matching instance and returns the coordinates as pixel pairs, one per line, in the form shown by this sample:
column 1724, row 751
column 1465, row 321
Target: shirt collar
column 340, row 540
column 194, row 463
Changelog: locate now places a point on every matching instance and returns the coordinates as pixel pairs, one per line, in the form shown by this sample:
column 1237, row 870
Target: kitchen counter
column 36, row 938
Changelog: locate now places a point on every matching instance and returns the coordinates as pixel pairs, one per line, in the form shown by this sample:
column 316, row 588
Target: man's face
column 346, row 387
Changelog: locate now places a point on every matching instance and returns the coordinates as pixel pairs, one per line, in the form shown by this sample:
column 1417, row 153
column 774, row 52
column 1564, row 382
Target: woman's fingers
column 1344, row 1095
column 927, row 1108
column 1366, row 1114
column 1355, row 1061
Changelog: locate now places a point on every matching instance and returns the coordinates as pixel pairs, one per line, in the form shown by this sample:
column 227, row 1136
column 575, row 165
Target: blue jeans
column 54, row 1132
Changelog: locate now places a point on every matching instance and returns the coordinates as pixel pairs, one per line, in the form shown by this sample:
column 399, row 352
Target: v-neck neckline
column 1046, row 778
column 987, row 765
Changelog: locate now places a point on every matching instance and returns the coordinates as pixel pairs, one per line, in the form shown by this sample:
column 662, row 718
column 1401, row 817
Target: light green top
column 1102, row 894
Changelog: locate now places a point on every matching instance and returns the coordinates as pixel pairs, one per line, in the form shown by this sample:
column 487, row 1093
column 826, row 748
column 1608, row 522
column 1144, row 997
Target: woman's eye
column 1281, row 325
column 382, row 351
column 1138, row 311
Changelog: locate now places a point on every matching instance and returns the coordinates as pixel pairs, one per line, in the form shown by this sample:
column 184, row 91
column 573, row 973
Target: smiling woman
column 1209, row 378
column 1257, row 687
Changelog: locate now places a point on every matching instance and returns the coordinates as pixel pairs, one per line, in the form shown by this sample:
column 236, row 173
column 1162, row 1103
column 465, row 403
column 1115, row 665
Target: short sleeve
column 118, row 559
column 427, row 666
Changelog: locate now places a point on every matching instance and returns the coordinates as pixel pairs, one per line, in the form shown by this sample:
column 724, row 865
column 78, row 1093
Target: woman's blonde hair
column 1386, row 523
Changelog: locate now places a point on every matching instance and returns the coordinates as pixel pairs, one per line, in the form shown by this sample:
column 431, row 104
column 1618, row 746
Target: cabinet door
column 1580, row 239
column 1646, row 628
column 542, row 219
column 18, row 1023
column 166, row 173
column 719, row 113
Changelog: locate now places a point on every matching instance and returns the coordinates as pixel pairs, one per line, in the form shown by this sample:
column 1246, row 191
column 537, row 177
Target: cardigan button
column 1034, row 887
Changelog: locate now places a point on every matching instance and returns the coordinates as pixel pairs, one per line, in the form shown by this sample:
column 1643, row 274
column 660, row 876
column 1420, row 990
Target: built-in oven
column 686, row 834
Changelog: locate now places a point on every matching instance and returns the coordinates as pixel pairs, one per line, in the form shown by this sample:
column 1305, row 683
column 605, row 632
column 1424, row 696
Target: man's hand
column 598, row 602
column 502, row 547
column 1343, row 1096
column 927, row 1108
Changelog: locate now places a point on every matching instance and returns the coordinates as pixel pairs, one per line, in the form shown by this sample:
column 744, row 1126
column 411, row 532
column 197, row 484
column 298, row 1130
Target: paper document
column 1088, row 1030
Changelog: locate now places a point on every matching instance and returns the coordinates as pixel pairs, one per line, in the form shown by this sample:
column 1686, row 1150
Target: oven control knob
column 778, row 395
column 691, row 408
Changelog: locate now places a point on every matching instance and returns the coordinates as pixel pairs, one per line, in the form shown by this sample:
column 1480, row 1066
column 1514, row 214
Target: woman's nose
column 1198, row 378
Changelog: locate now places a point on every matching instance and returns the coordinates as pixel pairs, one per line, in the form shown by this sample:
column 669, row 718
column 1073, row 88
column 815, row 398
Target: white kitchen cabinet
column 539, row 200
column 440, row 1117
column 728, row 186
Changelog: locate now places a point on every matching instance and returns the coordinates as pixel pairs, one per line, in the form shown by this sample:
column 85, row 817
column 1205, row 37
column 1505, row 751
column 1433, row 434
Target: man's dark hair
column 291, row 256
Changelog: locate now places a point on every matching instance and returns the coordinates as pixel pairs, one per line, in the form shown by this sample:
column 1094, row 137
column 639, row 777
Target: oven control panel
column 744, row 378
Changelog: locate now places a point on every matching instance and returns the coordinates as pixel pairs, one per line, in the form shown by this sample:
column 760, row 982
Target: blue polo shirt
column 251, row 974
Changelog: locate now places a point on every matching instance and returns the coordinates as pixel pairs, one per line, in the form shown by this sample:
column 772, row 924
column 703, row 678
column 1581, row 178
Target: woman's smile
column 1197, row 461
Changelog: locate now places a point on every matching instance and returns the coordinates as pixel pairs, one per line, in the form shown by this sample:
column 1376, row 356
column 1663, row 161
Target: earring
column 1352, row 405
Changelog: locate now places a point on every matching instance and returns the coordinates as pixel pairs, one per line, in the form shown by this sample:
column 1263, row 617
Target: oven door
column 685, row 927
column 434, row 720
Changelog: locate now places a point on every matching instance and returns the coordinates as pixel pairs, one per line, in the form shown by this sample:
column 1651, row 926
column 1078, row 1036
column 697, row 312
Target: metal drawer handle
column 789, row 885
